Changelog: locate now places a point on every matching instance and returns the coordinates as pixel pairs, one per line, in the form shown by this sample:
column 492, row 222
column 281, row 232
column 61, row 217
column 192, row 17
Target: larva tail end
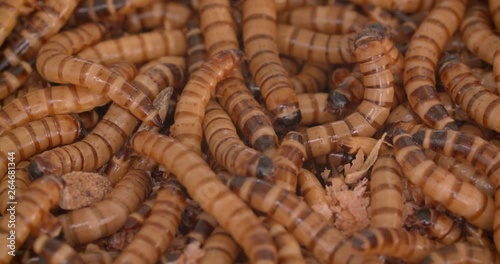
column 284, row 124
column 34, row 170
column 448, row 59
column 264, row 167
column 336, row 101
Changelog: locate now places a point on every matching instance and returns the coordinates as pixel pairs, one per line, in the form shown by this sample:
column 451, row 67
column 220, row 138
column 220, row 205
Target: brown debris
column 83, row 189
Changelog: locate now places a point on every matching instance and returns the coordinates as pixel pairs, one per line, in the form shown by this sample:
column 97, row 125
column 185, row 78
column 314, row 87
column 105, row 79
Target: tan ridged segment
column 9, row 11
column 176, row 15
column 439, row 226
column 407, row 6
column 288, row 160
column 13, row 78
column 220, row 248
column 462, row 252
column 312, row 78
column 106, row 10
column 314, row 194
column 288, row 247
column 56, row 251
column 314, row 109
column 21, row 185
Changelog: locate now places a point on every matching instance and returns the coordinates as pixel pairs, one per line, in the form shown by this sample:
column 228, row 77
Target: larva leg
column 158, row 229
column 57, row 52
column 461, row 252
column 40, row 197
column 196, row 51
column 314, row 194
column 393, row 242
column 287, row 161
column 55, row 251
column 422, row 57
column 288, row 247
column 308, row 227
column 373, row 111
column 311, row 79
column 441, row 185
column 314, row 109
column 479, row 103
column 401, row 5
column 259, row 37
column 13, row 78
column 220, row 248
column 386, row 193
column 205, row 188
column 21, row 183
column 439, row 225
column 110, row 133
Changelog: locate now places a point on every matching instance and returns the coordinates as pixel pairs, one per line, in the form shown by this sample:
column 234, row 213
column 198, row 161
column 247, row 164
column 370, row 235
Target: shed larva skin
column 421, row 60
column 22, row 182
column 56, row 251
column 190, row 109
column 314, row 109
column 386, row 192
column 373, row 111
column 439, row 184
column 439, row 225
column 314, row 194
column 109, row 215
column 393, row 242
column 205, row 224
column 38, row 136
column 287, row 161
column 9, row 11
column 477, row 236
column 282, row 5
column 228, row 149
column 478, row 32
column 44, row 23
column 56, row 53
column 111, row 132
column 325, row 19
column 220, row 248
column 40, row 197
column 12, row 78
column 260, row 35
column 461, row 252
column 288, row 247
column 204, row 187
column 158, row 229
column 99, row 10
column 312, row 78
column 308, row 227
column 156, row 14
column 137, row 48
column 196, row 51
column 463, row 171
column 315, row 47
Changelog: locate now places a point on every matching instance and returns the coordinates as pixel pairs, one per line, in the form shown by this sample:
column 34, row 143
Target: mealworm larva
column 311, row 79
column 159, row 228
column 372, row 112
column 196, row 52
column 308, row 227
column 393, row 242
column 478, row 33
column 288, row 160
column 44, row 23
column 325, row 19
column 204, row 187
column 110, row 133
column 288, row 247
column 215, row 18
column 22, row 181
column 441, row 185
column 282, row 5
column 38, row 136
column 463, row 171
column 479, row 103
column 12, row 78
column 55, row 251
column 190, row 109
column 107, row 216
column 259, row 37
column 406, row 6
column 40, row 197
column 421, row 60
column 204, row 226
column 291, row 65
column 137, row 48
column 440, row 226
column 220, row 248
column 228, row 149
column 315, row 47
column 314, row 109
column 346, row 88
column 57, row 52
column 9, row 11
column 155, row 14
column 136, row 219
column 386, row 191
column 99, row 10
column 34, row 82
column 314, row 194
column 461, row 252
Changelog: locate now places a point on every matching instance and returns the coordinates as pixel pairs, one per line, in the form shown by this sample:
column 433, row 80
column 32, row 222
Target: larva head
column 264, row 167
column 35, row 171
column 423, row 217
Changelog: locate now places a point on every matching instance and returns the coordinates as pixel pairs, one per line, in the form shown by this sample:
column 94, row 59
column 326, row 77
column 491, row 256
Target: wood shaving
column 355, row 172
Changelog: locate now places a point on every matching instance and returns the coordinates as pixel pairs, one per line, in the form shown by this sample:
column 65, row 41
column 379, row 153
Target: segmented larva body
column 89, row 119
column 228, row 149
column 421, row 60
column 495, row 12
column 118, row 166
column 137, row 48
column 204, row 187
column 44, row 23
column 205, row 224
column 98, row 257
column 158, row 229
column 407, row 6
column 260, row 34
column 21, row 183
column 487, row 77
column 282, row 5
column 440, row 226
column 380, row 15
column 34, row 82
column 386, row 191
column 315, row 47
column 220, row 248
column 40, row 197
column 55, row 251
column 403, row 113
column 441, row 185
column 288, row 160
column 288, row 247
column 56, row 53
column 373, row 111
column 101, row 10
column 346, row 89
column 478, row 33
column 136, row 219
column 9, row 11
column 462, row 252
column 311, row 79
column 325, row 19
column 156, row 14
column 12, row 78
column 196, row 51
column 110, row 133
column 479, row 103
column 314, row 109
column 308, row 227
column 314, row 194
column 109, row 215
column 291, row 65
column 190, row 109
column 393, row 242
column 477, row 236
